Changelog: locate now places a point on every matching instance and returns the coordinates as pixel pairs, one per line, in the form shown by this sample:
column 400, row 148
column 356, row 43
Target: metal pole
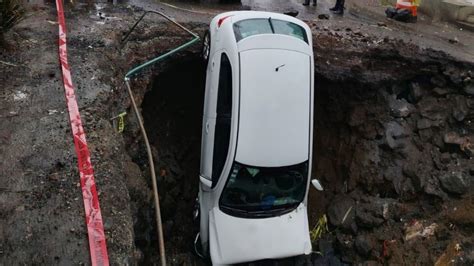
column 133, row 71
column 159, row 223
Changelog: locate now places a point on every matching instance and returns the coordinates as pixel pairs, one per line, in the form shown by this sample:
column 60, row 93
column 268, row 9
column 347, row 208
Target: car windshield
column 249, row 27
column 264, row 190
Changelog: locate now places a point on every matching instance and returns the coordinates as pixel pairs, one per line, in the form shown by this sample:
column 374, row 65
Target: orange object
column 411, row 5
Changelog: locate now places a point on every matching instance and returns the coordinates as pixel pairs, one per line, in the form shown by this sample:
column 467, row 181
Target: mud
column 393, row 134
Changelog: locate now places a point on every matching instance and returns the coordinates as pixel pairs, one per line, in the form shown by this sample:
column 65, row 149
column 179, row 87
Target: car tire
column 206, row 47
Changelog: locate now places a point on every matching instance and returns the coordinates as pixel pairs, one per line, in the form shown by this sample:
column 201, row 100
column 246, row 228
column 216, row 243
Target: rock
column 460, row 108
column 326, row 246
column 423, row 123
column 469, row 88
column 291, row 13
column 454, row 40
column 342, row 206
column 416, row 175
column 438, row 81
column 344, row 245
column 445, row 158
column 400, row 108
column 323, row 16
column 415, row 93
column 454, row 138
column 363, row 245
column 432, row 187
column 396, row 130
column 454, row 75
column 367, row 219
column 407, row 190
column 456, row 182
column 393, row 133
column 433, row 109
column 440, row 91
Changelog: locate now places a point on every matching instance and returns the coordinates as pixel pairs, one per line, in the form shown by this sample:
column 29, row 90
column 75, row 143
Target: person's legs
column 306, row 2
column 340, row 7
column 336, row 6
column 315, row 2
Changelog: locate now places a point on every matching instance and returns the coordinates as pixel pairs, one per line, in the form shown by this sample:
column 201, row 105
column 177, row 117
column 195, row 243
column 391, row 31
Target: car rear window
column 249, row 27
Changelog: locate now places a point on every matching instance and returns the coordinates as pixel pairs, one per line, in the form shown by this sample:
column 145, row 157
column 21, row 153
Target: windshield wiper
column 282, row 209
column 271, row 25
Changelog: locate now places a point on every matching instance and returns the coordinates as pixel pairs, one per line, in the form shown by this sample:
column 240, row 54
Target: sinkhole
column 383, row 140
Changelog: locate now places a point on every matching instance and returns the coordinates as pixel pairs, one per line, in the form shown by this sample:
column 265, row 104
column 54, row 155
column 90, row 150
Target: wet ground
column 393, row 134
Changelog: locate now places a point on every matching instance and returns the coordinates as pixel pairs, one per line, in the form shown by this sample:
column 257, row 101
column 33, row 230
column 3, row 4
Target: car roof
column 275, row 108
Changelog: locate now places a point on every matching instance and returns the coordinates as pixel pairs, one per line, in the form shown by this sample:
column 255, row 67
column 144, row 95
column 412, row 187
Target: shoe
column 339, row 11
column 306, row 4
column 333, row 8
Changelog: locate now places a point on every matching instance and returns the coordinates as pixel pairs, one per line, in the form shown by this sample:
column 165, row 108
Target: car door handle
column 207, row 127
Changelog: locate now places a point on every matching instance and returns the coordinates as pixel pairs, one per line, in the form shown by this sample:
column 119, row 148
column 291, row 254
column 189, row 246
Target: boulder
column 453, row 138
column 433, row 108
column 454, row 75
column 341, row 207
column 416, row 92
column 432, row 187
column 367, row 219
column 440, row 91
column 394, row 132
column 416, row 174
column 456, row 182
column 460, row 108
column 424, row 124
column 364, row 245
column 469, row 88
column 400, row 107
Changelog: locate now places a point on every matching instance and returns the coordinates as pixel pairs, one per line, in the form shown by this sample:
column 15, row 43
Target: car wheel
column 206, row 46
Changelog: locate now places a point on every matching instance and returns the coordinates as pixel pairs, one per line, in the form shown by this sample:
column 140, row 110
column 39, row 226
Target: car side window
column 223, row 119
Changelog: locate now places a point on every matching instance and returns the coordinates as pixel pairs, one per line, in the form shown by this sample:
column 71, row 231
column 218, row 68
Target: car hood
column 236, row 240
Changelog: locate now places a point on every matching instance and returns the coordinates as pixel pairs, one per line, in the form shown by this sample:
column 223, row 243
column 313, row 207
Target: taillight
column 221, row 20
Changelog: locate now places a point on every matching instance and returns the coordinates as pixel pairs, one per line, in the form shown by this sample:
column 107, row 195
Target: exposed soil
column 393, row 134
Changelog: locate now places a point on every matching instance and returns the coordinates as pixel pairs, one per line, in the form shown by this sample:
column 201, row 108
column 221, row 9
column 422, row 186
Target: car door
column 223, row 119
column 217, row 119
column 215, row 138
column 209, row 115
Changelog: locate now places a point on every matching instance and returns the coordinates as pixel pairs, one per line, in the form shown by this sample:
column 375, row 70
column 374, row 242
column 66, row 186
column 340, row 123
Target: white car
column 256, row 138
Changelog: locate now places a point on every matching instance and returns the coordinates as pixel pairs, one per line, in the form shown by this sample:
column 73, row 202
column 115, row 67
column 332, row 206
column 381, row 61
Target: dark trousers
column 306, row 2
column 340, row 4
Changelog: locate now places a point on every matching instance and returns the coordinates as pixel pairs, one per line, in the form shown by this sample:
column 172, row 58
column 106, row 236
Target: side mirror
column 317, row 185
